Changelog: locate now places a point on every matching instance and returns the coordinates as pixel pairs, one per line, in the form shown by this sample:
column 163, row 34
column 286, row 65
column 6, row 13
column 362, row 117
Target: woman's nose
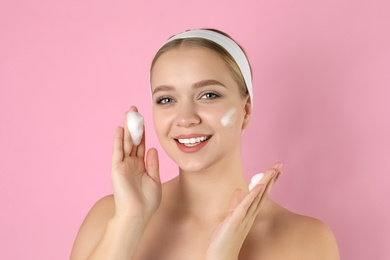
column 187, row 116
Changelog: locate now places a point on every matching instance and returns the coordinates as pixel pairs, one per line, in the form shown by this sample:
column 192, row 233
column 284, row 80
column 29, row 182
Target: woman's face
column 198, row 112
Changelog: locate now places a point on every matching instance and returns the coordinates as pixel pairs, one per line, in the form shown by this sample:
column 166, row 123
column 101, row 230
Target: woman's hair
column 201, row 42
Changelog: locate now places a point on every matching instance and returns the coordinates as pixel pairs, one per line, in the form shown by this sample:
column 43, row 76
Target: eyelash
column 163, row 100
column 214, row 95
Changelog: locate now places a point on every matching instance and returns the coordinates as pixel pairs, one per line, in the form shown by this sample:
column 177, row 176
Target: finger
column 278, row 175
column 127, row 142
column 152, row 165
column 141, row 146
column 279, row 172
column 264, row 184
column 117, row 148
column 242, row 209
column 134, row 148
column 249, row 203
column 265, row 195
column 269, row 186
column 236, row 199
column 257, row 208
column 277, row 166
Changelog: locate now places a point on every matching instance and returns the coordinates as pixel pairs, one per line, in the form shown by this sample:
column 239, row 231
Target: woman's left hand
column 229, row 235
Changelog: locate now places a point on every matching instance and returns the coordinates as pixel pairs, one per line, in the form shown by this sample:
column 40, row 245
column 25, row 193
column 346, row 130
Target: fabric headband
column 229, row 45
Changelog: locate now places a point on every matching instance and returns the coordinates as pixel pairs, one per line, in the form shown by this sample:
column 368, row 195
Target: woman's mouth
column 192, row 143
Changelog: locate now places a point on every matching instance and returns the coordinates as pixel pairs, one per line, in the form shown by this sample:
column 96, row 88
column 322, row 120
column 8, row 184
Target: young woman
column 202, row 95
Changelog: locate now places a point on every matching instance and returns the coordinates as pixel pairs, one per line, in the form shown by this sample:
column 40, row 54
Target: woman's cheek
column 229, row 118
column 159, row 122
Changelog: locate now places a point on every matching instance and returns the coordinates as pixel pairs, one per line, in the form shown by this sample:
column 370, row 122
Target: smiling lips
column 191, row 143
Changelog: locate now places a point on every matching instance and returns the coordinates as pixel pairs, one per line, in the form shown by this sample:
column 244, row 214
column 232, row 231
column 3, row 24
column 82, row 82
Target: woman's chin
column 192, row 166
column 188, row 162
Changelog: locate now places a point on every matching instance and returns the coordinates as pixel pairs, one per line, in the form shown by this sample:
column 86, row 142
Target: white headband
column 229, row 45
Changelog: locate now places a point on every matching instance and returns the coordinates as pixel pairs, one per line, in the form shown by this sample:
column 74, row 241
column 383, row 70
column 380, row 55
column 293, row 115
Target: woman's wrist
column 127, row 223
column 221, row 258
column 120, row 239
column 218, row 256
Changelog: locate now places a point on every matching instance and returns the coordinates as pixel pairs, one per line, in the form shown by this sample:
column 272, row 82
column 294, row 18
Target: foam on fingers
column 135, row 123
column 255, row 180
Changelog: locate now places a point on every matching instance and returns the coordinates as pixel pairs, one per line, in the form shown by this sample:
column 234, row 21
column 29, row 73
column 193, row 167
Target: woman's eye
column 210, row 95
column 164, row 100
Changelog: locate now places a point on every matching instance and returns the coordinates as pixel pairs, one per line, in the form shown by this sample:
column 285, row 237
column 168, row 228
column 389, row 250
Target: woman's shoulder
column 297, row 235
column 103, row 209
column 93, row 227
column 286, row 219
column 100, row 212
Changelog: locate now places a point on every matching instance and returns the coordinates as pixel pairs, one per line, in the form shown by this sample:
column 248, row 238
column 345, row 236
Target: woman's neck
column 205, row 196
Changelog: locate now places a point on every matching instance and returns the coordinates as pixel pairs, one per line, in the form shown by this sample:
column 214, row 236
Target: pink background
column 70, row 69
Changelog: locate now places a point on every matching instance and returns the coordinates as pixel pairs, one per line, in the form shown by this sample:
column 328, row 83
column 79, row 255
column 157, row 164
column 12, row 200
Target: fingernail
column 280, row 166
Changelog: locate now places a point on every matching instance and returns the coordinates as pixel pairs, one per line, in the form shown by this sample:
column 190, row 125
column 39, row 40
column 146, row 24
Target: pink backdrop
column 69, row 70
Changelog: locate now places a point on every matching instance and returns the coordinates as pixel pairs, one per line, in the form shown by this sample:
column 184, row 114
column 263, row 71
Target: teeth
column 192, row 141
column 191, row 144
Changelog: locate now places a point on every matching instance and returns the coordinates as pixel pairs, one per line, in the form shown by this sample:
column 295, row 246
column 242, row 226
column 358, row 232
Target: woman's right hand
column 137, row 189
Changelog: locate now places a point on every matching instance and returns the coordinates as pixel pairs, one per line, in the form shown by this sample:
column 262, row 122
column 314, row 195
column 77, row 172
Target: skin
column 228, row 119
column 207, row 211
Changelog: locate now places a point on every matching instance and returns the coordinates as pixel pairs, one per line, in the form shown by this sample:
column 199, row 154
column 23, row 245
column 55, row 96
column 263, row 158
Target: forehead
column 186, row 65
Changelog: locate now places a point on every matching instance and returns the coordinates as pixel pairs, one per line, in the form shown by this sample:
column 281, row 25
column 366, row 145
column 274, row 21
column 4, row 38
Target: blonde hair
column 204, row 43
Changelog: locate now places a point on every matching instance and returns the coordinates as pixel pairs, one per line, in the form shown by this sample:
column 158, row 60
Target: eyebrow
column 199, row 84
column 207, row 82
column 162, row 88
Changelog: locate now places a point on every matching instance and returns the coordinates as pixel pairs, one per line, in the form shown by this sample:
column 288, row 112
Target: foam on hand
column 229, row 118
column 255, row 180
column 135, row 124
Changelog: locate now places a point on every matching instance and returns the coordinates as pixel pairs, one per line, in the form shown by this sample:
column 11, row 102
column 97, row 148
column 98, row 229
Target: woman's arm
column 116, row 223
column 228, row 236
column 100, row 231
column 104, row 236
column 293, row 236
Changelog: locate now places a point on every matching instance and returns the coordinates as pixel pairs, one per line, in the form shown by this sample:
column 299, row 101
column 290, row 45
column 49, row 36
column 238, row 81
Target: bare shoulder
column 303, row 236
column 93, row 227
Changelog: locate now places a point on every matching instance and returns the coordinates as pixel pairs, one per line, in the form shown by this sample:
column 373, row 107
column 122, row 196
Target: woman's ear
column 248, row 111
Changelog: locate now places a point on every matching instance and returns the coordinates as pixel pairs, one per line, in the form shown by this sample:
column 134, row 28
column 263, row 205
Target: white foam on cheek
column 255, row 180
column 135, row 123
column 228, row 118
